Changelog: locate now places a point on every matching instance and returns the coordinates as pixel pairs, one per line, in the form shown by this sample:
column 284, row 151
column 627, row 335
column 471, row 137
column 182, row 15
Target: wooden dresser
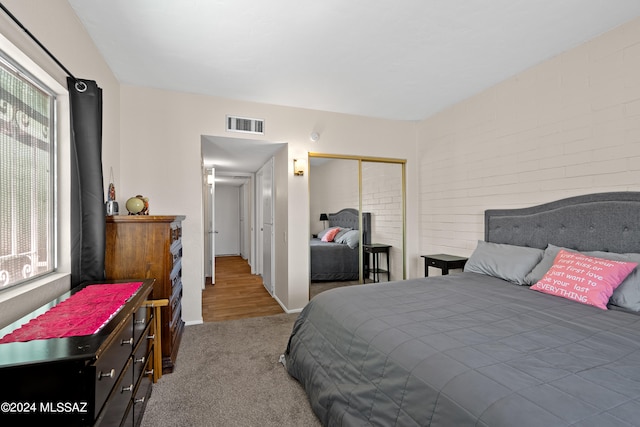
column 150, row 246
column 103, row 379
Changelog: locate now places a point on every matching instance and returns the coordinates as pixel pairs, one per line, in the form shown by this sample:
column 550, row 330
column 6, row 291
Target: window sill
column 21, row 300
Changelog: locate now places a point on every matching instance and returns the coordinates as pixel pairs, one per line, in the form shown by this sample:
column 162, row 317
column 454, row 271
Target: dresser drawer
column 120, row 398
column 143, row 391
column 141, row 320
column 108, row 368
column 140, row 376
column 176, row 297
column 176, row 279
column 175, row 324
column 128, row 420
column 175, row 252
column 176, row 273
column 434, row 263
column 176, row 231
column 141, row 356
column 146, row 369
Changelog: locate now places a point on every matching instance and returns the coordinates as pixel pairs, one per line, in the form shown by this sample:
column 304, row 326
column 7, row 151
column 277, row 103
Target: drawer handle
column 141, row 360
column 125, row 342
column 110, row 374
column 151, row 337
column 148, row 372
column 140, row 400
column 128, row 388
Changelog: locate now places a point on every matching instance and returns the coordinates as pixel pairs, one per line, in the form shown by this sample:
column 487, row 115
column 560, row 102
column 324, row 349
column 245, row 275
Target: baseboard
column 286, row 310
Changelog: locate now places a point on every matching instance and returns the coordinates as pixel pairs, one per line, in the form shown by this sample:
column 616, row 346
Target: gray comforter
column 464, row 349
column 333, row 261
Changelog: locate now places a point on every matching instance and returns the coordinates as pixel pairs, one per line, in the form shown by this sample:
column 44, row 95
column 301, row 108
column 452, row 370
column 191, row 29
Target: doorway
column 234, row 166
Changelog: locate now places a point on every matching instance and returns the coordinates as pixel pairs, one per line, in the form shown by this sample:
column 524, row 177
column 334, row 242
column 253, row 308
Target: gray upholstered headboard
column 348, row 218
column 603, row 221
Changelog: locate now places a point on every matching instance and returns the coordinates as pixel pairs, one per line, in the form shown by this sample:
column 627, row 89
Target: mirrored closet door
column 352, row 184
column 382, row 195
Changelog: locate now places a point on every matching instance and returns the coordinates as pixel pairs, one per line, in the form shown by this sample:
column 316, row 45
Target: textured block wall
column 568, row 126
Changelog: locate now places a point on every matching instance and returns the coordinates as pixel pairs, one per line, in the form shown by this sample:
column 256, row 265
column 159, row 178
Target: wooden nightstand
column 444, row 262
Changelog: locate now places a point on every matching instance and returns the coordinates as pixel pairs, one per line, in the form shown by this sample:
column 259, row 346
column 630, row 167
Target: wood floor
column 237, row 293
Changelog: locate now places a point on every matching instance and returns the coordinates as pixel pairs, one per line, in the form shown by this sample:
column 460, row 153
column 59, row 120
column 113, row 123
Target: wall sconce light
column 298, row 168
column 324, row 218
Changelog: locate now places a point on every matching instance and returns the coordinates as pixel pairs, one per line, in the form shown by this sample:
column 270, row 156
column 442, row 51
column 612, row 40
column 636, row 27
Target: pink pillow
column 583, row 278
column 329, row 235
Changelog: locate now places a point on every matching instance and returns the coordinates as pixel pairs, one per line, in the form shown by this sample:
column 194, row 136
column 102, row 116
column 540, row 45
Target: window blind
column 27, row 155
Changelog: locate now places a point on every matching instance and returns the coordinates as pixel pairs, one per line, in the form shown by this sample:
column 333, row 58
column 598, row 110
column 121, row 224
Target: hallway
column 237, row 293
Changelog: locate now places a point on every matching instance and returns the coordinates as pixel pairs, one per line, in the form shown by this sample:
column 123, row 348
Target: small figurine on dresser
column 138, row 205
column 111, row 206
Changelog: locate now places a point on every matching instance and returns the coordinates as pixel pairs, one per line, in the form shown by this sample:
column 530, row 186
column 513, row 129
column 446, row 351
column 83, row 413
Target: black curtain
column 87, row 192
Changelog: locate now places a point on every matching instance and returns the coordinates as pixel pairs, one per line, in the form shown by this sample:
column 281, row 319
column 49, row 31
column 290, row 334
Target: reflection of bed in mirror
column 338, row 258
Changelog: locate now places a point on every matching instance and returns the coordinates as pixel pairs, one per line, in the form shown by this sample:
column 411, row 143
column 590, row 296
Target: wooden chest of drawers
column 102, row 379
column 150, row 246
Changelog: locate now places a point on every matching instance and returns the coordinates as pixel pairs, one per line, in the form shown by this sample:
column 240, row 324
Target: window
column 27, row 176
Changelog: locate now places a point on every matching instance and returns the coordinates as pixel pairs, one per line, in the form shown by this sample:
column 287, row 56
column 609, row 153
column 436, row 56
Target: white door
column 227, row 220
column 259, row 226
column 212, row 232
column 243, row 252
column 267, row 225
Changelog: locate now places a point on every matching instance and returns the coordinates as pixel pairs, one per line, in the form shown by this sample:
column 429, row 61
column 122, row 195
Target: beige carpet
column 227, row 374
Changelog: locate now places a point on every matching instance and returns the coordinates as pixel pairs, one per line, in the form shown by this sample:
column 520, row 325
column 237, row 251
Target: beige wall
column 333, row 185
column 568, row 126
column 160, row 147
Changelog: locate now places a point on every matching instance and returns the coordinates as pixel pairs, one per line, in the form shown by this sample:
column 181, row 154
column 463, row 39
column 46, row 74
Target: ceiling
column 233, row 158
column 402, row 59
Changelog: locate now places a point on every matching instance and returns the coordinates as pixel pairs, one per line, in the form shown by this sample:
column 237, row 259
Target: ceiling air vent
column 246, row 125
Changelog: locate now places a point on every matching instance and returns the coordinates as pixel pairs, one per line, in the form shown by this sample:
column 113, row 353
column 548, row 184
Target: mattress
column 333, row 261
column 464, row 349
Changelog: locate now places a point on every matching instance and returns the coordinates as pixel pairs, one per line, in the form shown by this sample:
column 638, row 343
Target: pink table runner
column 83, row 313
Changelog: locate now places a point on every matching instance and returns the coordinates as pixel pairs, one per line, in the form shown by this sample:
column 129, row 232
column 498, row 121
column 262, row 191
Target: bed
column 475, row 348
column 337, row 261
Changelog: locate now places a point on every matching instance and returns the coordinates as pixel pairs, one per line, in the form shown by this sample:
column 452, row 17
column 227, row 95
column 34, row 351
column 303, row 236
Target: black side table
column 443, row 262
column 376, row 249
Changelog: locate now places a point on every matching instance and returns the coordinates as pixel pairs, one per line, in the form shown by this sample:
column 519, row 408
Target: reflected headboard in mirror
column 348, row 218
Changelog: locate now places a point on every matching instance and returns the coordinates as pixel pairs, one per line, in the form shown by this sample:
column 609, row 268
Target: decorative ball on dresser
column 138, row 205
